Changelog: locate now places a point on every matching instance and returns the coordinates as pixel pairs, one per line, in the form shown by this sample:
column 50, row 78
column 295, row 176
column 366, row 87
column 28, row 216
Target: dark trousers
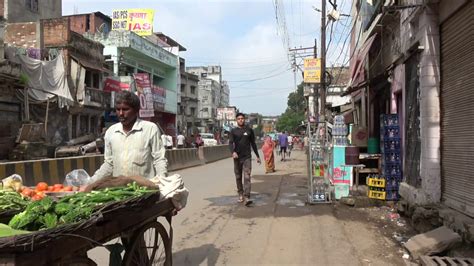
column 243, row 167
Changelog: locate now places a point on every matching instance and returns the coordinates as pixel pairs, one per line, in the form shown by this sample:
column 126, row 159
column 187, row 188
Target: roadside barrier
column 215, row 153
column 55, row 170
column 182, row 158
column 52, row 171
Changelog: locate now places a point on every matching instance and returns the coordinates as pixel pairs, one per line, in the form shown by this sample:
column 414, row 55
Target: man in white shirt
column 133, row 147
column 180, row 141
column 290, row 145
column 169, row 142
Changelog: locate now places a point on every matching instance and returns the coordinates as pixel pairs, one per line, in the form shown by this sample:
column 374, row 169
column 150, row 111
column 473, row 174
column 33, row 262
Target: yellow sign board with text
column 312, row 70
column 138, row 20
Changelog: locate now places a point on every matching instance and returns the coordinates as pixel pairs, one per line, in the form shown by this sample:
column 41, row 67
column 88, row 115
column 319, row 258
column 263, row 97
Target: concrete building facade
column 30, row 10
column 407, row 61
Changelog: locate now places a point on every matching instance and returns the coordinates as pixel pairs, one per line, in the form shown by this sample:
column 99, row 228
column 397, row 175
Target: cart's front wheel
column 150, row 245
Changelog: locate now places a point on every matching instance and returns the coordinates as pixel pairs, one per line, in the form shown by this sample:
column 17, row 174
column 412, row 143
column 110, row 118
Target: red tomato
column 68, row 188
column 27, row 192
column 36, row 197
column 59, row 186
column 50, row 188
column 42, row 186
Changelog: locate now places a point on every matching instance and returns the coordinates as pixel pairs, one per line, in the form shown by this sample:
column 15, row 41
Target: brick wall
column 56, row 32
column 21, row 34
column 96, row 22
column 79, row 23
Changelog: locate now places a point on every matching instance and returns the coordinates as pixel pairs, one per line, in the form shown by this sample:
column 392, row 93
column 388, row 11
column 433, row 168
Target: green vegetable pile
column 12, row 201
column 46, row 213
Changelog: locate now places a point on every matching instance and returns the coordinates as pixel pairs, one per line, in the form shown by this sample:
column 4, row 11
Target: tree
column 291, row 119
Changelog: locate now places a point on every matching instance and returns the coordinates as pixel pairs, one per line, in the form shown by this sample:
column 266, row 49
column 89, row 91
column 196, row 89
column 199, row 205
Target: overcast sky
column 243, row 37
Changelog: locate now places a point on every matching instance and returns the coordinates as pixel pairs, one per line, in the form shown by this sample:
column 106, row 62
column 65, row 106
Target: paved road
column 279, row 229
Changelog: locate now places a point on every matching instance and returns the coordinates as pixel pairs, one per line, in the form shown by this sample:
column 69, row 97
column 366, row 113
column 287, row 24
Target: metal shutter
column 457, row 110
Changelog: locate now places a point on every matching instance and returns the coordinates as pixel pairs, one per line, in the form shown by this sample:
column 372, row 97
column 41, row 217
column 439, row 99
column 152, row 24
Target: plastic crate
column 389, row 120
column 393, row 144
column 392, row 169
column 392, row 157
column 392, row 195
column 392, row 184
column 376, row 182
column 390, row 133
column 376, row 194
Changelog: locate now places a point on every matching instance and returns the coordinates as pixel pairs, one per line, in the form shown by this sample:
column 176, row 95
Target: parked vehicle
column 208, row 139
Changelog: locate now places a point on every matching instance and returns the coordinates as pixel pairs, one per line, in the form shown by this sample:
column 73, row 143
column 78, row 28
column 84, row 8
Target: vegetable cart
column 135, row 221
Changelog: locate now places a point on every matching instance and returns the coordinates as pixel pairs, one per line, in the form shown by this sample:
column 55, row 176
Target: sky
column 246, row 37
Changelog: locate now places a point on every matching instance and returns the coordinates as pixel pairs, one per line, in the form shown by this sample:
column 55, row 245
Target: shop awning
column 358, row 71
column 89, row 65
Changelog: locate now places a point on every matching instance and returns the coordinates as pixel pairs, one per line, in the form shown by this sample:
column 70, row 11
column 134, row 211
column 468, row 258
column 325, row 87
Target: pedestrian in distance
column 241, row 143
column 169, row 142
column 133, row 147
column 283, row 140
column 180, row 140
column 290, row 145
column 268, row 156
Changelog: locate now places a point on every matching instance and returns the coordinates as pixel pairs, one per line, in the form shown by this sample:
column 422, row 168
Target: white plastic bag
column 77, row 178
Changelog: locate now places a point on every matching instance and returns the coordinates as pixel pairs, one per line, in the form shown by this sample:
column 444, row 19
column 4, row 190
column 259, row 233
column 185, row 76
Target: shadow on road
column 197, row 256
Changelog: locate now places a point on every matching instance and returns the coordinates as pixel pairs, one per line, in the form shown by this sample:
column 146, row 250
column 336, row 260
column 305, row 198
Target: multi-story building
column 189, row 105
column 129, row 54
column 215, row 93
column 225, row 94
column 413, row 59
column 35, row 33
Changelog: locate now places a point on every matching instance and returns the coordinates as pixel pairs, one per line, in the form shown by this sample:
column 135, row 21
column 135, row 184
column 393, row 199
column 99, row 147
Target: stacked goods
column 376, row 187
column 339, row 131
column 390, row 136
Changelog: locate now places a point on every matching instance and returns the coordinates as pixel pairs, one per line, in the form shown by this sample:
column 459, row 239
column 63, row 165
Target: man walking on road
column 241, row 140
column 283, row 139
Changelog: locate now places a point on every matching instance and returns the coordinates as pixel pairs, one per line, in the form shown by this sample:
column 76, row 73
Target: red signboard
column 115, row 85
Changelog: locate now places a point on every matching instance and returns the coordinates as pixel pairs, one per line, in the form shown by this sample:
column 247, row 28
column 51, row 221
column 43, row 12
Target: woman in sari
column 267, row 149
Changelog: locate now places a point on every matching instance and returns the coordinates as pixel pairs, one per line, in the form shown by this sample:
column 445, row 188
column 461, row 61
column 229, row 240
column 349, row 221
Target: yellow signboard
column 312, row 70
column 138, row 20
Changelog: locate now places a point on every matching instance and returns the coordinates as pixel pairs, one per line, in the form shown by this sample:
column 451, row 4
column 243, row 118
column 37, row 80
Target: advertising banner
column 142, row 81
column 312, row 70
column 226, row 113
column 115, row 85
column 138, row 20
column 159, row 97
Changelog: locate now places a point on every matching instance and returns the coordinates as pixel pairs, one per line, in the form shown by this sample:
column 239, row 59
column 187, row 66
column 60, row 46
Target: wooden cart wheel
column 150, row 245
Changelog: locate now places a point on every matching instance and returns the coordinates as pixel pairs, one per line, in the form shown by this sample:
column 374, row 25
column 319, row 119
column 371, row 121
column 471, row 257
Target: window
column 193, row 111
column 32, row 5
column 193, row 89
column 183, row 88
column 203, row 75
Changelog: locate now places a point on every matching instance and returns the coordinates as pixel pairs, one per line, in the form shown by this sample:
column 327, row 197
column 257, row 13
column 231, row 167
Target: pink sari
column 268, row 156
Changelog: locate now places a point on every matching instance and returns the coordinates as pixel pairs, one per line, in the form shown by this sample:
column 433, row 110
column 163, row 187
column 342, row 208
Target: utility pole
column 323, row 61
column 315, row 86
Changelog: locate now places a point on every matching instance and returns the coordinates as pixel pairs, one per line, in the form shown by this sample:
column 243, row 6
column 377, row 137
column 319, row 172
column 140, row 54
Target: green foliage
column 291, row 119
